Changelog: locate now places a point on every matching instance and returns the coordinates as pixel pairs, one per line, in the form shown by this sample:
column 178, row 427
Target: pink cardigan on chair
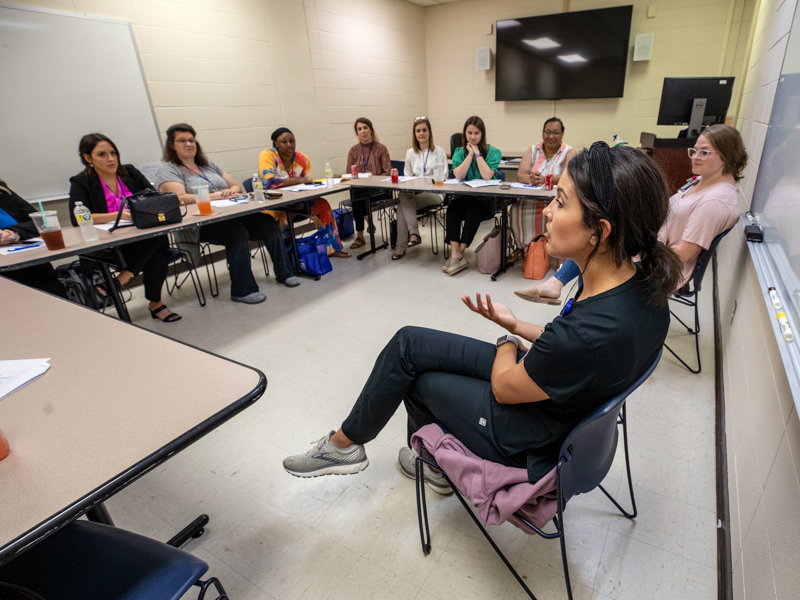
column 497, row 491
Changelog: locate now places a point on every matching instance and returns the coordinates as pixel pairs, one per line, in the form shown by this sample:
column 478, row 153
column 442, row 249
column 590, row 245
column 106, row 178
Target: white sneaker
column 325, row 458
column 435, row 481
column 254, row 298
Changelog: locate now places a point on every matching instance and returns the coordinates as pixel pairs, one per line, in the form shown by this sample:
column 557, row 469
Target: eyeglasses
column 418, row 119
column 551, row 133
column 701, row 154
column 185, row 141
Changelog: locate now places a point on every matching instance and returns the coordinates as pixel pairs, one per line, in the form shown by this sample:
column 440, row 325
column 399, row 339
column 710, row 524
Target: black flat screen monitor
column 567, row 55
column 678, row 94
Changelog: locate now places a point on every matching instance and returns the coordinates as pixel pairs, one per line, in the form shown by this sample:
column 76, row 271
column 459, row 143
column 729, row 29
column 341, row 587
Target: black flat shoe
column 398, row 256
column 170, row 319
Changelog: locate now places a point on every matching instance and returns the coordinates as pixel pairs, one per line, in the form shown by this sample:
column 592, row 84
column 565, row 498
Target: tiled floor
column 276, row 536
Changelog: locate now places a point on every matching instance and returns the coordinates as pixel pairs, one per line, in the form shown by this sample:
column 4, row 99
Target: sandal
column 398, row 256
column 102, row 288
column 340, row 254
column 168, row 319
column 414, row 240
column 357, row 244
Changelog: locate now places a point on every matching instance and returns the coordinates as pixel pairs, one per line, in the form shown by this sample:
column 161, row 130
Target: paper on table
column 453, row 181
column 479, row 183
column 227, row 202
column 109, row 225
column 16, row 373
column 30, row 244
column 402, row 178
column 360, row 175
column 525, row 186
column 303, row 187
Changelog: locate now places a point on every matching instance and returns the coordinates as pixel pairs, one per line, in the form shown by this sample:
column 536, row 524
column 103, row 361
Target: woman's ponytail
column 663, row 269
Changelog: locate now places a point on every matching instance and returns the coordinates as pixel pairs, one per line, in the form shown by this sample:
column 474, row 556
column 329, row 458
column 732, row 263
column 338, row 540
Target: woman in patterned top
column 282, row 166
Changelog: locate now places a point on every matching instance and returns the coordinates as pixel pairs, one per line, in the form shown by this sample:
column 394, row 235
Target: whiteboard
column 63, row 76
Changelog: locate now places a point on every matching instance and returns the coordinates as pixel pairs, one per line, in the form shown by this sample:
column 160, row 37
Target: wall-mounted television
column 567, row 55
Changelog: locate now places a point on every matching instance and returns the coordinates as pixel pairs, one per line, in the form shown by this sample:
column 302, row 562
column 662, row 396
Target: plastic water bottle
column 84, row 218
column 328, row 175
column 258, row 188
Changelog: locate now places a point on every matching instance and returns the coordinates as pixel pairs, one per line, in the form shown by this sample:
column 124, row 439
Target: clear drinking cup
column 49, row 228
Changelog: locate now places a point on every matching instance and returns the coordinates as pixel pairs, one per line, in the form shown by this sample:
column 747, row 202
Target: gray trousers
column 407, row 206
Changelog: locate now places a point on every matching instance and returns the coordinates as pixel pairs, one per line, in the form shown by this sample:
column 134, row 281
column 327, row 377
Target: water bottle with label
column 258, row 188
column 84, row 218
column 328, row 175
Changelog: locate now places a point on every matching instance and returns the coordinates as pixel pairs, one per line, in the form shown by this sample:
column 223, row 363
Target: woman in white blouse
column 421, row 160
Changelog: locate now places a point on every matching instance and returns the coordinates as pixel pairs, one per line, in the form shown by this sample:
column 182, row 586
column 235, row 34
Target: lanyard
column 199, row 174
column 425, row 164
column 289, row 172
column 366, row 160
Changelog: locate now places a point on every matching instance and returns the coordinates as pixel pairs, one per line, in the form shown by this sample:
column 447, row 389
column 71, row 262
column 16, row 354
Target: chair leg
column 204, row 585
column 422, row 510
column 695, row 332
column 213, row 287
column 421, row 484
column 631, row 515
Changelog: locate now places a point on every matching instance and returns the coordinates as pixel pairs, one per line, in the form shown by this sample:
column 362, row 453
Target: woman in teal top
column 474, row 160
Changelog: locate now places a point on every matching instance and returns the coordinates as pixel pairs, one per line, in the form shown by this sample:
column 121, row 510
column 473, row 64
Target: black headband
column 603, row 179
column 279, row 132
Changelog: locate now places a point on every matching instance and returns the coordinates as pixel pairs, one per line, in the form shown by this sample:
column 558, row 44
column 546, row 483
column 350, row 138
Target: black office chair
column 687, row 296
column 91, row 560
column 583, row 462
column 456, row 140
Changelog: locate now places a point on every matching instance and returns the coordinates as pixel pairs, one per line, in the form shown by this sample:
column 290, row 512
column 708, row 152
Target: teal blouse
column 492, row 158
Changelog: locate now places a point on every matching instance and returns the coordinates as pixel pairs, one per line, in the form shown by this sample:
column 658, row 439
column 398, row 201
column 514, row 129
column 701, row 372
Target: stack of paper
column 16, row 373
column 30, row 244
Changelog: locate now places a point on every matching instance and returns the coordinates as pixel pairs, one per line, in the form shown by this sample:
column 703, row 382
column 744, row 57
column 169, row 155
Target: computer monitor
column 695, row 101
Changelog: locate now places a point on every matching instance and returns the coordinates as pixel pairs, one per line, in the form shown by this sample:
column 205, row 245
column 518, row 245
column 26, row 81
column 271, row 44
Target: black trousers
column 41, row 277
column 235, row 235
column 445, row 378
column 469, row 209
column 148, row 257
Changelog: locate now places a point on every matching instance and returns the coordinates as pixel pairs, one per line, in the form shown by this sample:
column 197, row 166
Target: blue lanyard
column 366, row 160
column 567, row 307
column 199, row 174
column 289, row 172
column 425, row 164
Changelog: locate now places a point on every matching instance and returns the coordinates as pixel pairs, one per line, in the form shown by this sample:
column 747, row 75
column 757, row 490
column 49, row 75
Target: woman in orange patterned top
column 282, row 166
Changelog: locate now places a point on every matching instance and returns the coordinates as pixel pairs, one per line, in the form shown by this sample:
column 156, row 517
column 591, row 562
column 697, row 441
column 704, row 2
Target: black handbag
column 150, row 208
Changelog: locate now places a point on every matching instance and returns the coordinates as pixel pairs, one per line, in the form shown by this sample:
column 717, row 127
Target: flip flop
column 533, row 296
column 340, row 254
column 357, row 244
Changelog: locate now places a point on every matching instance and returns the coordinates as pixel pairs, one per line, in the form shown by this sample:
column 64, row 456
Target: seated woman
column 510, row 404
column 183, row 165
column 698, row 213
column 281, row 166
column 421, row 159
column 369, row 156
column 474, row 160
column 102, row 187
column 548, row 157
column 15, row 227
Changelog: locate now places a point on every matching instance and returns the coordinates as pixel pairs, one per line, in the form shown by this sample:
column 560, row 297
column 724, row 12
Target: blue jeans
column 568, row 271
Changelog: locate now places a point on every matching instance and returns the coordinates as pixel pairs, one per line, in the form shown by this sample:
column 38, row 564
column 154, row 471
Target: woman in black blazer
column 16, row 226
column 102, row 186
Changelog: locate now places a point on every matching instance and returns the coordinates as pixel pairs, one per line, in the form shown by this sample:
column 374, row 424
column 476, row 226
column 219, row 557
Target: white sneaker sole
column 453, row 270
column 351, row 469
column 434, row 488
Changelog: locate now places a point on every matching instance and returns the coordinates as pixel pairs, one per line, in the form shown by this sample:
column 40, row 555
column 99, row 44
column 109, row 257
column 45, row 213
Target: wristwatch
column 504, row 339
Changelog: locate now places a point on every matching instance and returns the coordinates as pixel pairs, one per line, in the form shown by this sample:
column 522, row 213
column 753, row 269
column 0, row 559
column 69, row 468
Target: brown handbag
column 537, row 260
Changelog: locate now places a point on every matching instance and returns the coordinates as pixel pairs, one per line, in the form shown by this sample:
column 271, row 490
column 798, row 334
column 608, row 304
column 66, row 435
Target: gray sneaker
column 407, row 460
column 326, row 459
column 446, row 265
column 254, row 298
column 291, row 282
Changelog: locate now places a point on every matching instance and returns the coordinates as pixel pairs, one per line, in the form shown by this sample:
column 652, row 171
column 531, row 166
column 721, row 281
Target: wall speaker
column 643, row 47
column 483, row 59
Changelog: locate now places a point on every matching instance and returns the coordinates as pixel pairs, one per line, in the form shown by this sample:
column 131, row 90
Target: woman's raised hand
column 497, row 313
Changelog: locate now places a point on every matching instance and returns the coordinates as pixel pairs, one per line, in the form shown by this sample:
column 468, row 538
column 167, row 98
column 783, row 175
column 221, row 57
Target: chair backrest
column 704, row 260
column 247, row 186
column 455, row 142
column 587, row 453
column 400, row 165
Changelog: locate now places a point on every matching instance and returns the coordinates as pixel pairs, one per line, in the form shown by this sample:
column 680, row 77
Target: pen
column 25, row 247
